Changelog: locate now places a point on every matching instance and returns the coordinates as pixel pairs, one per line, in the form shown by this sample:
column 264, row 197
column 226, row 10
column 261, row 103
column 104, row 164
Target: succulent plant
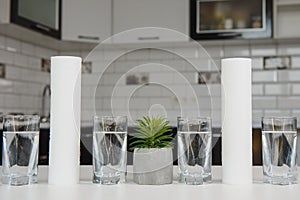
column 152, row 132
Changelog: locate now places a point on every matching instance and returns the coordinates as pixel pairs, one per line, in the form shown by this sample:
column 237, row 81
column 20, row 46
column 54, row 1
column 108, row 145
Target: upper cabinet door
column 86, row 21
column 170, row 14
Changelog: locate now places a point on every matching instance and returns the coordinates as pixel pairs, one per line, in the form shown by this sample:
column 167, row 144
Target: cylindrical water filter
column 65, row 120
column 236, row 121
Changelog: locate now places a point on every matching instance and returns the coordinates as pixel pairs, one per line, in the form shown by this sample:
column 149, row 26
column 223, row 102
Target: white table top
column 131, row 191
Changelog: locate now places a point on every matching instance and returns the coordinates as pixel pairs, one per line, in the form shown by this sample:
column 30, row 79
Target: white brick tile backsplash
column 72, row 53
column 86, row 91
column 294, row 76
column 212, row 90
column 1, row 103
column 95, row 55
column 112, row 55
column 165, row 102
column 6, row 86
column 34, row 63
column 44, row 52
column 124, row 66
column 20, row 60
column 257, row 63
column 101, row 91
column 150, row 67
column 289, row 76
column 296, row 89
column 88, row 103
column 102, row 66
column 235, row 51
column 177, row 65
column 189, row 52
column 289, row 102
column 199, row 64
column 256, row 118
column 139, row 103
column 34, row 88
column 214, row 51
column 257, row 89
column 27, row 49
column 188, row 77
column 125, row 91
column 161, row 78
column 27, row 101
column 13, row 72
column 22, row 90
column 264, row 76
column 264, row 102
column 178, row 90
column 288, row 49
column 90, row 79
column 263, row 50
column 160, row 54
column 147, row 90
column 215, row 64
column 11, row 101
column 277, row 113
column 295, row 62
column 6, row 57
column 277, row 89
column 13, row 45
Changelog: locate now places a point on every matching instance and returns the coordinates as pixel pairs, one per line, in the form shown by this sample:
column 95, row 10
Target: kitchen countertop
column 132, row 191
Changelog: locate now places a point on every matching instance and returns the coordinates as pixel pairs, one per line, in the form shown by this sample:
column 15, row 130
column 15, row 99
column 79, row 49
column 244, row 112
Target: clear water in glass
column 279, row 157
column 20, row 157
column 194, row 150
column 109, row 157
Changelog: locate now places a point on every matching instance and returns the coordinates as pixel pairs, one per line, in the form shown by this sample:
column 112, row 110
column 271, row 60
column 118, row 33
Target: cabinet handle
column 44, row 28
column 230, row 34
column 88, row 37
column 149, row 38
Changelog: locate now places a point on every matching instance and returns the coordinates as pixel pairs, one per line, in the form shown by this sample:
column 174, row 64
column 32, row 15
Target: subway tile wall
column 173, row 88
column 21, row 89
column 176, row 92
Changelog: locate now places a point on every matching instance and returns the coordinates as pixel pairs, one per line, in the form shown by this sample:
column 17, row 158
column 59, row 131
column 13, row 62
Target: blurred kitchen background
column 33, row 30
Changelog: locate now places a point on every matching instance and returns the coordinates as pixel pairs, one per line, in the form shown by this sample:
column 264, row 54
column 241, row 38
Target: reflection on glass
column 230, row 15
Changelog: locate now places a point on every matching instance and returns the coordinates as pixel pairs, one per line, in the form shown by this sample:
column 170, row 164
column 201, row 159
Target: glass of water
column 194, row 150
column 20, row 149
column 109, row 149
column 279, row 140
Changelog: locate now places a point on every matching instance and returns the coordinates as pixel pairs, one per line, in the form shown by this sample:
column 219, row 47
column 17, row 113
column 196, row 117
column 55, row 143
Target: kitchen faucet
column 45, row 118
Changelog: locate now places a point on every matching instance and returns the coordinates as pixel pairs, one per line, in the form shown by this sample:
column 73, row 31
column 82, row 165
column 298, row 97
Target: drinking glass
column 109, row 149
column 20, row 149
column 194, row 150
column 279, row 140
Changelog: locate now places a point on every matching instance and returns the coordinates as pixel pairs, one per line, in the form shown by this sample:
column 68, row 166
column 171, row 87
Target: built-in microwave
column 41, row 15
column 230, row 19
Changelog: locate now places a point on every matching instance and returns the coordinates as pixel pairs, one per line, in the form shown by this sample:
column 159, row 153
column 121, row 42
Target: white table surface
column 131, row 191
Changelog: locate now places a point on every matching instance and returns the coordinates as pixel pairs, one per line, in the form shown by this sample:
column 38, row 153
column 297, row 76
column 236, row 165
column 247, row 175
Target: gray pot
column 153, row 166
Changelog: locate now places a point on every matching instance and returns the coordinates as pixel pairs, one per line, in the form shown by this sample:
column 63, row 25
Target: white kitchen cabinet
column 286, row 19
column 86, row 21
column 5, row 11
column 130, row 14
column 287, row 2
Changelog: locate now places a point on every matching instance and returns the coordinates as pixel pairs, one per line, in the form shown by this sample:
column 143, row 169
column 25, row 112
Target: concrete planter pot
column 153, row 166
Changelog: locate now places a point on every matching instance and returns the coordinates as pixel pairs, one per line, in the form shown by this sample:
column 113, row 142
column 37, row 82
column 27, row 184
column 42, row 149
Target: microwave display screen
column 230, row 15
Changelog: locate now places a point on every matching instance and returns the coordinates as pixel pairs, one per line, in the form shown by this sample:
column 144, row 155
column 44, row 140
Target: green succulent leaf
column 152, row 132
